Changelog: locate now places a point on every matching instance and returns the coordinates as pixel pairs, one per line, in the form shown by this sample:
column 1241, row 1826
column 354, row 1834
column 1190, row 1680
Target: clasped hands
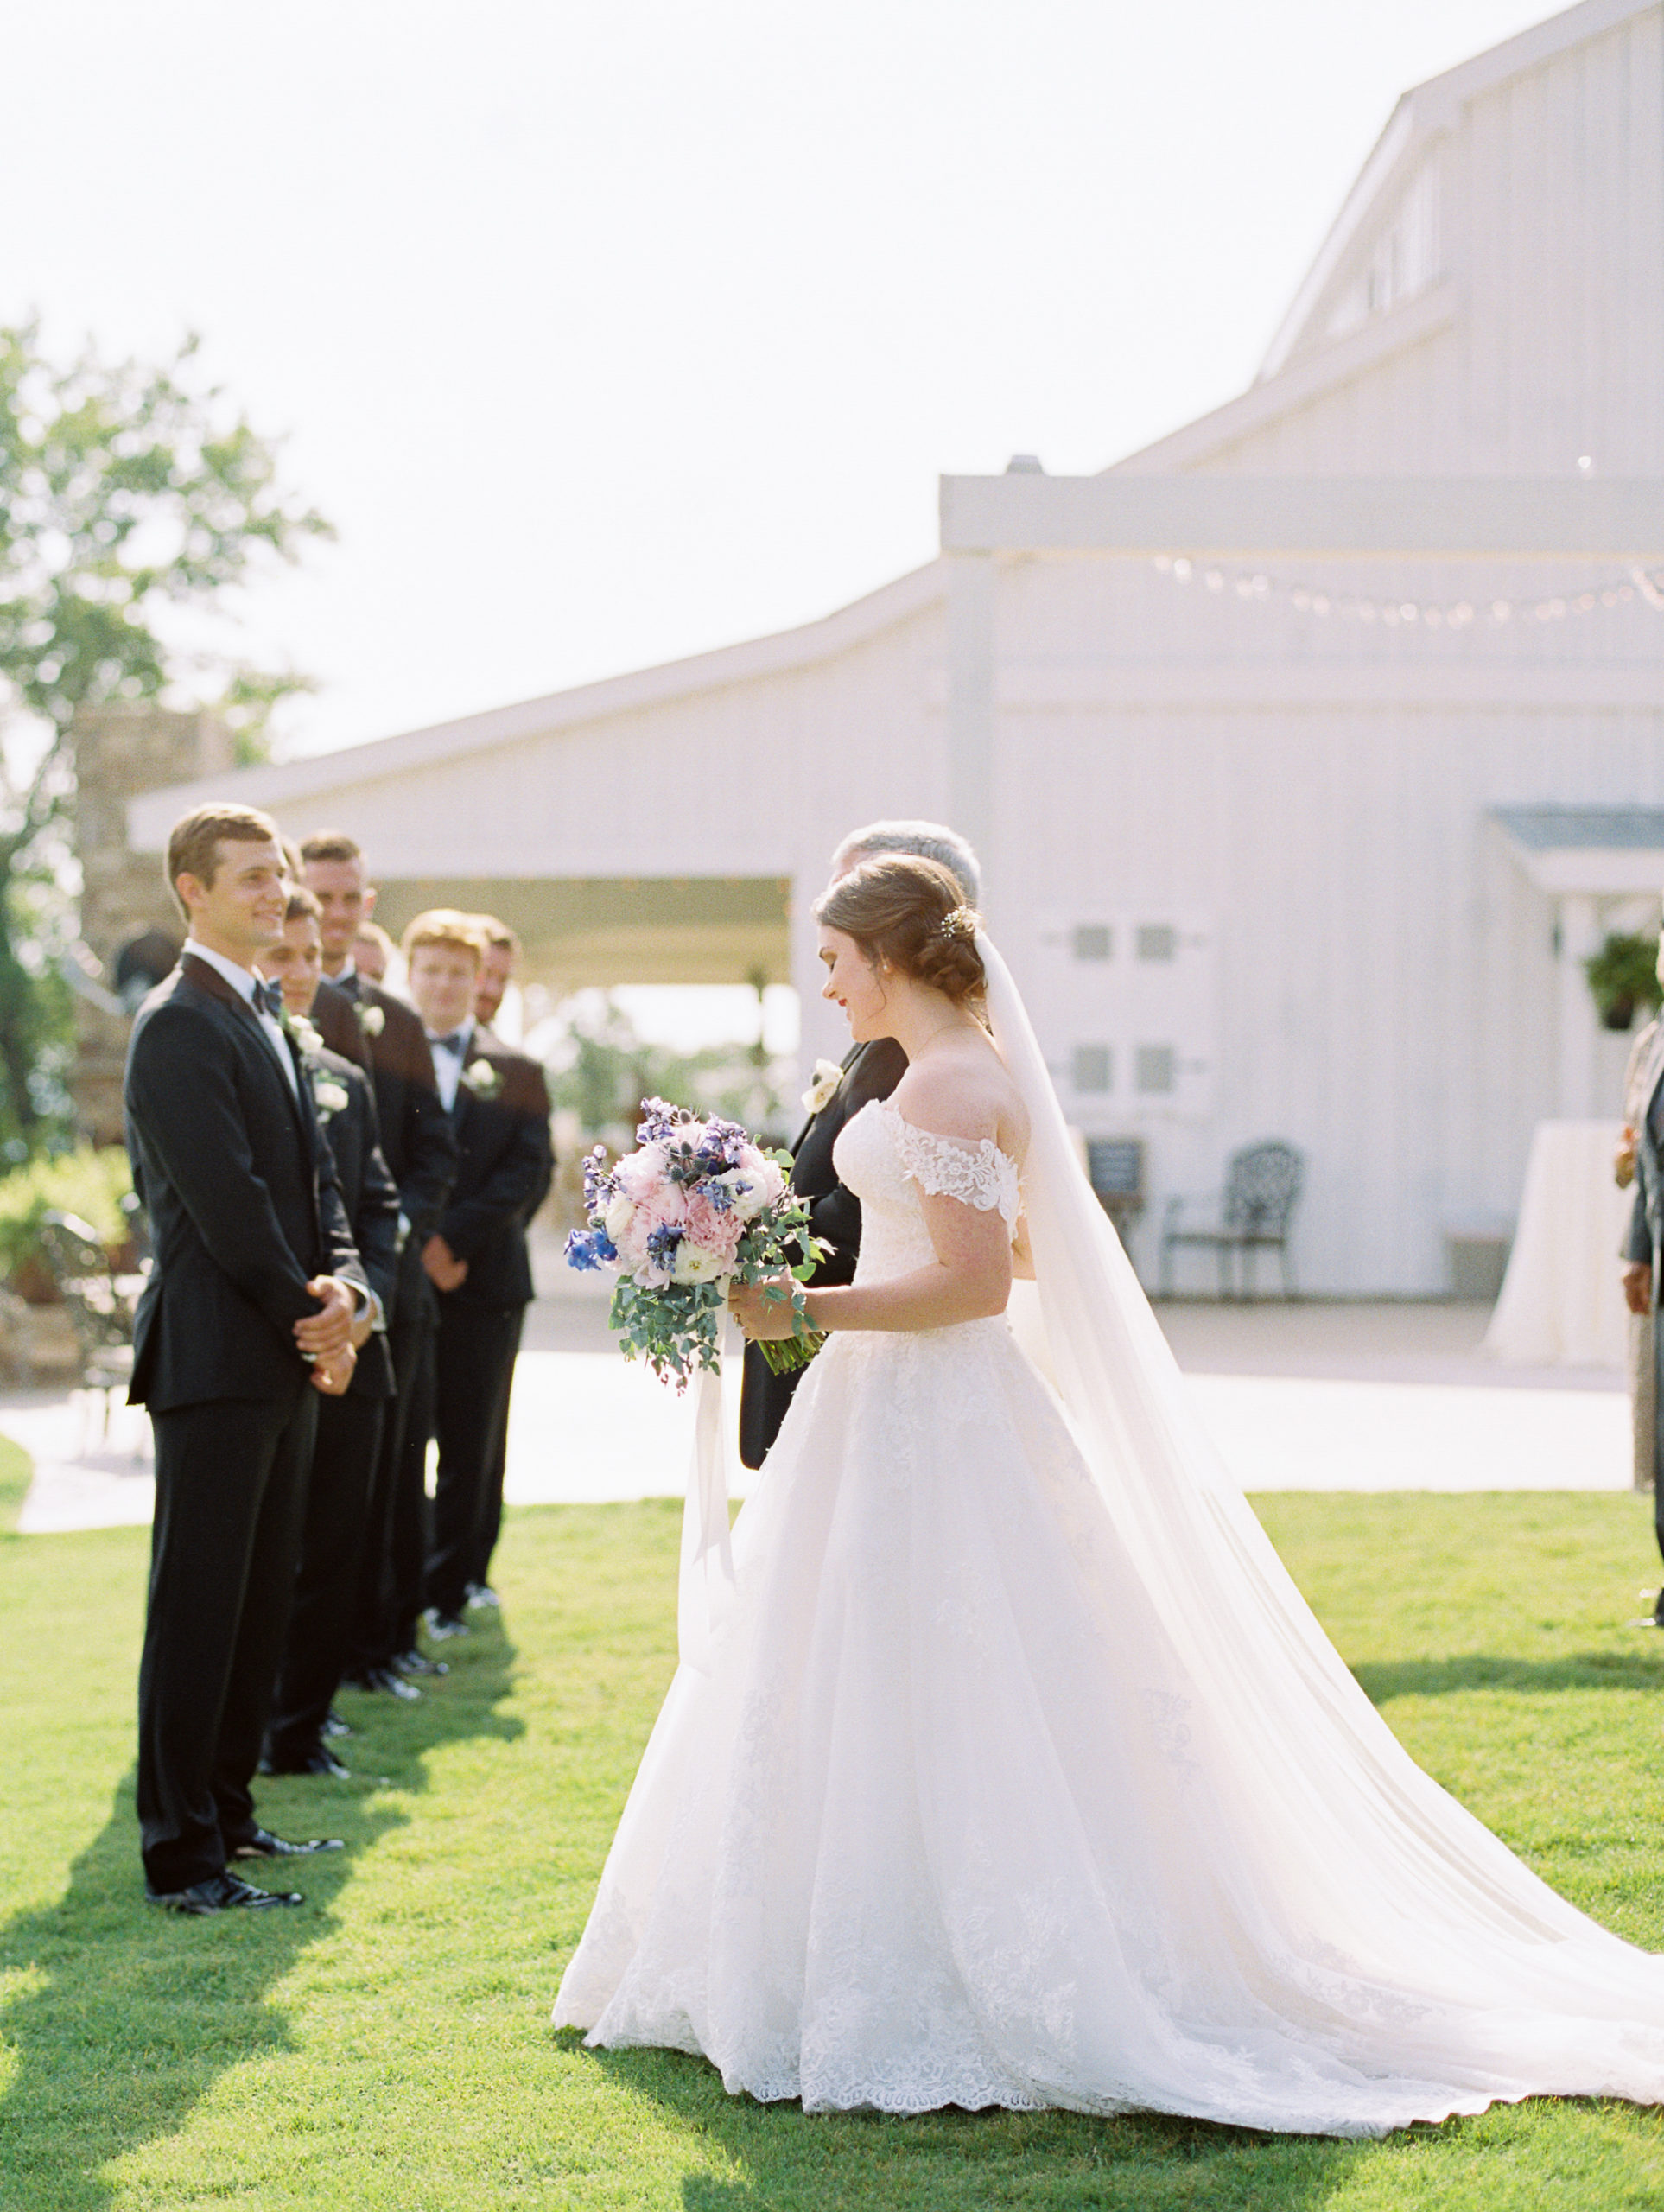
column 330, row 1337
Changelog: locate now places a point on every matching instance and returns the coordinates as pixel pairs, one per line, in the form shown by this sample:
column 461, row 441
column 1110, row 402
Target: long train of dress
column 959, row 1816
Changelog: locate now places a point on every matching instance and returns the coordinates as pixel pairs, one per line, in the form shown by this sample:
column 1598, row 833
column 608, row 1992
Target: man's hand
column 324, row 1335
column 443, row 1269
column 333, row 1376
column 1624, row 1158
column 1638, row 1287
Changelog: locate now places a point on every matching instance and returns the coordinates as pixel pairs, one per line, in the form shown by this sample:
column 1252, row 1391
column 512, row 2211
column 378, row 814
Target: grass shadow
column 117, row 2018
column 1380, row 1680
column 794, row 2161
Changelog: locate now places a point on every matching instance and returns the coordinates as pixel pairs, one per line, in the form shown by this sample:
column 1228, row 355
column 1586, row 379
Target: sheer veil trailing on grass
column 1022, row 1774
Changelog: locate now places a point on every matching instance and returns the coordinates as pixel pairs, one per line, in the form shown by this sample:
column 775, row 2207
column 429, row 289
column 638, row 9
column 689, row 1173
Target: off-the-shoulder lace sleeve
column 975, row 1171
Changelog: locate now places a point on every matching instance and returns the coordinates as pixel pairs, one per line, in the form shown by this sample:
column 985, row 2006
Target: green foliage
column 387, row 2045
column 131, row 502
column 608, row 1070
column 85, row 1182
column 1623, row 976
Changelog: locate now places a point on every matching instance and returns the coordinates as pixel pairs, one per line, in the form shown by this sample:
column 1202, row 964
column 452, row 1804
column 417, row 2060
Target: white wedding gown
column 1021, row 1776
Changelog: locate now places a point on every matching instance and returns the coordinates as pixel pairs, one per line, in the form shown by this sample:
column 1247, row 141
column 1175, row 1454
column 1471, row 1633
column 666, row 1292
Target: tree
column 131, row 503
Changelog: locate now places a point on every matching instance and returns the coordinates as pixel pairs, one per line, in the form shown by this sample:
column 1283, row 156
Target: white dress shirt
column 447, row 1065
column 242, row 982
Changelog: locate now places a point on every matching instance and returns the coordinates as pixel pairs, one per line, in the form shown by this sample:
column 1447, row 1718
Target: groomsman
column 256, row 1293
column 868, row 1072
column 502, row 951
column 349, row 1428
column 477, row 1258
column 419, row 1147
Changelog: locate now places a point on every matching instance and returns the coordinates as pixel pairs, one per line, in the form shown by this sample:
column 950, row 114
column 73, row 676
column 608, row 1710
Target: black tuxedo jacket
column 503, row 1167
column 370, row 1195
column 1645, row 1242
column 416, row 1138
column 870, row 1071
column 240, row 1187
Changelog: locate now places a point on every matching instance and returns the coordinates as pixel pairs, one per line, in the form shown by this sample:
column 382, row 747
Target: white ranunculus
column 751, row 1189
column 619, row 1215
column 693, row 1263
column 330, row 1097
column 372, row 1020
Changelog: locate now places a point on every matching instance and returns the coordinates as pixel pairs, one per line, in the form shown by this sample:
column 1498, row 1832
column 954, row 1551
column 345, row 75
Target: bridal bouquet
column 699, row 1206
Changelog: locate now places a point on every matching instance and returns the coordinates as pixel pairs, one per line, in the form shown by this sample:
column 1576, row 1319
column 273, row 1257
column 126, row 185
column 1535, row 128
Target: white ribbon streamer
column 706, row 1583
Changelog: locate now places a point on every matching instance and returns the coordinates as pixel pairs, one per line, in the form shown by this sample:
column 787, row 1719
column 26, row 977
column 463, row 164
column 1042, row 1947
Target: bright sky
column 606, row 333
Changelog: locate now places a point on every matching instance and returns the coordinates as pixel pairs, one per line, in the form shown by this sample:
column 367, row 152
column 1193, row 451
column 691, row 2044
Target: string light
column 1252, row 585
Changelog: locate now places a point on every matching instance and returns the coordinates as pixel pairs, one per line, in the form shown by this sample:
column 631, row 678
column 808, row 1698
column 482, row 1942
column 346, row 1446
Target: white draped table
column 1562, row 1301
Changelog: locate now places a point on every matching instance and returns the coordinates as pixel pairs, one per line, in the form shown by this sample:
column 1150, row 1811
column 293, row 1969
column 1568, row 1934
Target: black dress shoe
column 263, row 1845
column 417, row 1662
column 442, row 1626
column 321, row 1763
column 220, row 1893
column 383, row 1678
column 334, row 1726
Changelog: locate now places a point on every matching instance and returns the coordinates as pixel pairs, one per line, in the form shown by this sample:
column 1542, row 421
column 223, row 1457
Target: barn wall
column 1383, row 975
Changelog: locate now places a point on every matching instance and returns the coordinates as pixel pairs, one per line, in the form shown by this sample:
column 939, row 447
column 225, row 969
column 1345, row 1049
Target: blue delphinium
column 661, row 1246
column 590, row 1248
column 659, row 1121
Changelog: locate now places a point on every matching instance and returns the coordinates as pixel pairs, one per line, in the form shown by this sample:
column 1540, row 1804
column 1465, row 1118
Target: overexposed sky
column 610, row 332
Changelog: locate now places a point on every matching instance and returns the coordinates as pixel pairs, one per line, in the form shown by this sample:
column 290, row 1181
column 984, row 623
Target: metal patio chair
column 1252, row 1214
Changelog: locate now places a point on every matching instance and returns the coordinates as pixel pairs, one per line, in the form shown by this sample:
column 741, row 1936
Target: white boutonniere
column 299, row 1033
column 372, row 1020
column 482, row 1078
column 329, row 1096
column 828, row 1076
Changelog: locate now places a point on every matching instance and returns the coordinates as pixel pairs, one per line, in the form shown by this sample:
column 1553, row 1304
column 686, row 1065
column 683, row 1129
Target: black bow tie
column 268, row 999
column 457, row 1042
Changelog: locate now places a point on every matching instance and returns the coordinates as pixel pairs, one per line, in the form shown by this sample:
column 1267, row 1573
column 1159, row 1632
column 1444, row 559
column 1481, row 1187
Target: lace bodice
column 889, row 1163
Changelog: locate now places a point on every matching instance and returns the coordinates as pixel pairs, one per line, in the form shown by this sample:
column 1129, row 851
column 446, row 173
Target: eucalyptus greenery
column 133, row 500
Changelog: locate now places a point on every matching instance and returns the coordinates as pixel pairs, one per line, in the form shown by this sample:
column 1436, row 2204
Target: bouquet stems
column 786, row 1355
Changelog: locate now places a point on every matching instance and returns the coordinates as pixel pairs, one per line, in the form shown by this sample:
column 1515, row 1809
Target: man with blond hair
column 497, row 964
column 258, row 1293
column 477, row 1258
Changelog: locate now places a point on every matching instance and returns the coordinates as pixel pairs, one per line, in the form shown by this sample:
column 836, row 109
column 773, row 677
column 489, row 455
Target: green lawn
column 388, row 2045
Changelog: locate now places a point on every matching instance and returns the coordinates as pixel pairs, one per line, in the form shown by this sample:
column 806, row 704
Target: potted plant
column 1623, row 976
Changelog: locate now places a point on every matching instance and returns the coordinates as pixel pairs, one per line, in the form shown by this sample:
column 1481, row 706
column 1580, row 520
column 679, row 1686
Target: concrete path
column 1303, row 1397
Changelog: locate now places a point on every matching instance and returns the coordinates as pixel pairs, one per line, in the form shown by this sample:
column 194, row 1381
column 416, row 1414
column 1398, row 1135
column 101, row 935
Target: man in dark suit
column 868, row 1072
column 349, row 1428
column 477, row 1258
column 1643, row 1250
column 420, row 1149
column 257, row 1292
column 502, row 951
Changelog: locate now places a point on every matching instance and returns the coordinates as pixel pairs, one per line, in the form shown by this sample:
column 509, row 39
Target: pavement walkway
column 1309, row 1396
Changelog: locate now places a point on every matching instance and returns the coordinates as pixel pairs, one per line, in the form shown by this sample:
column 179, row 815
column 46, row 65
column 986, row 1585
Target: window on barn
column 1093, row 941
column 1155, row 1069
column 1157, row 941
column 1093, row 1069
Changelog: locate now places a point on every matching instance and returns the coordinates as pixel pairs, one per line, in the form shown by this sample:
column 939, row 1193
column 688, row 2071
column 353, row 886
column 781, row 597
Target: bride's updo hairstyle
column 911, row 914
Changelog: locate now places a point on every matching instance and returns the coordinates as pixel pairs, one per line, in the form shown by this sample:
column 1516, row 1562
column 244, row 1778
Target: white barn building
column 1308, row 750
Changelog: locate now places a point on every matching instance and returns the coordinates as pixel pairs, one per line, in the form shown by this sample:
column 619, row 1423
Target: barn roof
column 1585, row 829
column 1595, row 852
column 1318, row 347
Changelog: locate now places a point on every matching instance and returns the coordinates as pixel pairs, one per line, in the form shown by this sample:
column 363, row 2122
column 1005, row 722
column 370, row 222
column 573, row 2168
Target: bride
column 1018, row 1772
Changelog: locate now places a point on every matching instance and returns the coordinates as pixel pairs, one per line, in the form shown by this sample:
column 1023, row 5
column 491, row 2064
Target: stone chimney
column 120, row 751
